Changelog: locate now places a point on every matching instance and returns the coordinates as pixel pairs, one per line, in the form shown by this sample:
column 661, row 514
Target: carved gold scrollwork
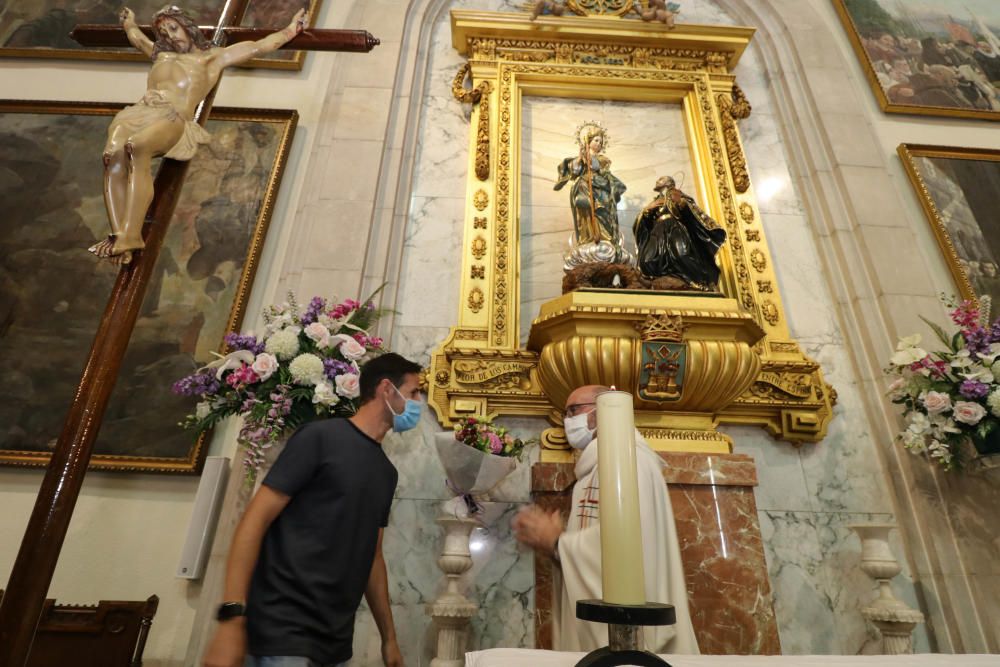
column 782, row 385
column 479, row 223
column 769, row 311
column 476, row 300
column 471, row 334
column 600, row 7
column 758, row 260
column 478, row 247
column 753, row 235
column 728, row 109
column 555, row 439
column 765, row 286
column 746, row 212
column 500, row 374
column 784, row 346
column 480, row 94
column 478, row 272
column 740, row 109
column 442, row 378
column 480, row 200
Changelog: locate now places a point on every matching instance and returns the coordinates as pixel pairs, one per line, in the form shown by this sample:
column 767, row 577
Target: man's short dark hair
column 389, row 365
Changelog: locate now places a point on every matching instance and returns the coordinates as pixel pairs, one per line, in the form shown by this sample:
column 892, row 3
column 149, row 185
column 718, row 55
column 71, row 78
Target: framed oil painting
column 40, row 28
column 53, row 292
column 929, row 57
column 959, row 189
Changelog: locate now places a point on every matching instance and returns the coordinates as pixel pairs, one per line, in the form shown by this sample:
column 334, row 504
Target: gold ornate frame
column 291, row 62
column 480, row 369
column 908, row 153
column 883, row 100
column 287, row 121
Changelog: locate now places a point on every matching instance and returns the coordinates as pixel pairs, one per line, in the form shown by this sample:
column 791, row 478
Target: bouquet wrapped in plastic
column 476, row 457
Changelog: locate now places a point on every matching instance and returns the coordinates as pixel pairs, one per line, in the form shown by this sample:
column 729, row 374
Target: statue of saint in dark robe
column 676, row 238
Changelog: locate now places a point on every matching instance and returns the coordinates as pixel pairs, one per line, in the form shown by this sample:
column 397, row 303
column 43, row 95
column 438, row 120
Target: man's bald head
column 586, row 394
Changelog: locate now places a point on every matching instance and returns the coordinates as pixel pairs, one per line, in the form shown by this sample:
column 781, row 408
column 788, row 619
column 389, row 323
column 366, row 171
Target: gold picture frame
column 55, row 25
column 52, row 292
column 928, row 169
column 940, row 99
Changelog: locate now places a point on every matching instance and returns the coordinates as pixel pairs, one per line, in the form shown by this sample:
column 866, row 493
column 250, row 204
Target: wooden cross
column 22, row 602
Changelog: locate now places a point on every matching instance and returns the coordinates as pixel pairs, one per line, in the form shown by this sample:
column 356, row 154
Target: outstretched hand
column 126, row 16
column 298, row 23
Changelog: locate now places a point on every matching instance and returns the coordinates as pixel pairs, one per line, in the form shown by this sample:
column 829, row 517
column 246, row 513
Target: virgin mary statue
column 594, row 198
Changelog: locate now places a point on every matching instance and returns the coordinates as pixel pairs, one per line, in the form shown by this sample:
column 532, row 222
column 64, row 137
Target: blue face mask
column 409, row 417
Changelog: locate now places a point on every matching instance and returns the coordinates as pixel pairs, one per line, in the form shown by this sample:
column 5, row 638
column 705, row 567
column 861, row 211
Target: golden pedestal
column 683, row 358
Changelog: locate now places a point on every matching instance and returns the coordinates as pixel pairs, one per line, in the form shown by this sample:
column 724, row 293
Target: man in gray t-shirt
column 310, row 543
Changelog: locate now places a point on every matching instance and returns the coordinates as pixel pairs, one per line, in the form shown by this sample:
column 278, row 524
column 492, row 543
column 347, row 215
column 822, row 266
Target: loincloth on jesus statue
column 154, row 106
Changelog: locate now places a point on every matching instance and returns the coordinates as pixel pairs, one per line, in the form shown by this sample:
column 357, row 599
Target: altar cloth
column 520, row 657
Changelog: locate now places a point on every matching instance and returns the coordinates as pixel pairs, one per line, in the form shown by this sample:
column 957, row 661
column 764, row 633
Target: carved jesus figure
column 185, row 69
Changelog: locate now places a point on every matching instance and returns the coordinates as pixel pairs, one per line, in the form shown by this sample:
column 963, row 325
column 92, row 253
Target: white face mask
column 578, row 434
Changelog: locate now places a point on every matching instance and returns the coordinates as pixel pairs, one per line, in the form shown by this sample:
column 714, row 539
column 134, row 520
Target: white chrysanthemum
column 995, row 369
column 306, row 369
column 283, row 344
column 993, row 400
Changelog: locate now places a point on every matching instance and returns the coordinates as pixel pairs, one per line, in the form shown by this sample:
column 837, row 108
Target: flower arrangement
column 483, row 435
column 305, row 367
column 476, row 456
column 951, row 397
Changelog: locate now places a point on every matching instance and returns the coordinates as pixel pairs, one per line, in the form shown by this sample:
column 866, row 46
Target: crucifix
column 164, row 123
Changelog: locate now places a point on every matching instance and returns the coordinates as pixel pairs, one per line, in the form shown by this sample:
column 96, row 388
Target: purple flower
column 334, row 367
column 496, row 444
column 995, row 332
column 974, row 389
column 240, row 342
column 197, row 384
column 977, row 340
column 316, row 306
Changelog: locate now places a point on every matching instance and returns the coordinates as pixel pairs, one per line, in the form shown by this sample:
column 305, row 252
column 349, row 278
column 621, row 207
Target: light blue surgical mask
column 409, row 417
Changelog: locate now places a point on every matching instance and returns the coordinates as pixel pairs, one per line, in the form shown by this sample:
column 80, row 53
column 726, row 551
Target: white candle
column 622, row 574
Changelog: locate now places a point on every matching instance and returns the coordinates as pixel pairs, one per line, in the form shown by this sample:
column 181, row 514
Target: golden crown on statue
column 590, row 129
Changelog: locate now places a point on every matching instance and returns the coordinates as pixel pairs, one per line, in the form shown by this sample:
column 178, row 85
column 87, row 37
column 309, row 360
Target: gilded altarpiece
column 482, row 368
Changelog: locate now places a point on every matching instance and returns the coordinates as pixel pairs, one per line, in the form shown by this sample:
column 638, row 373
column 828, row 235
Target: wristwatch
column 230, row 610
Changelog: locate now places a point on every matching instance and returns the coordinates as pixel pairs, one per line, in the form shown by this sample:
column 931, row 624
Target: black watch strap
column 230, row 610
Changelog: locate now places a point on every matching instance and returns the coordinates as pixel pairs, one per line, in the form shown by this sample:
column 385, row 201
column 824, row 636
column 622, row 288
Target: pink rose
column 319, row 334
column 496, row 445
column 347, row 385
column 937, row 402
column 897, row 389
column 265, row 365
column 969, row 413
column 352, row 349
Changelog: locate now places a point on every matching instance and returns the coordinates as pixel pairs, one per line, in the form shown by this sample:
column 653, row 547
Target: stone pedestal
column 451, row 611
column 894, row 619
column 729, row 592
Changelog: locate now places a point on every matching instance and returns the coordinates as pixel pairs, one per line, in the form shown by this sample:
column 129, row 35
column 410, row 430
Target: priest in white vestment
column 577, row 547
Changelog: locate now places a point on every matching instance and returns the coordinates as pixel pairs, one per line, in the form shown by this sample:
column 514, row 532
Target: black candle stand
column 624, row 623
